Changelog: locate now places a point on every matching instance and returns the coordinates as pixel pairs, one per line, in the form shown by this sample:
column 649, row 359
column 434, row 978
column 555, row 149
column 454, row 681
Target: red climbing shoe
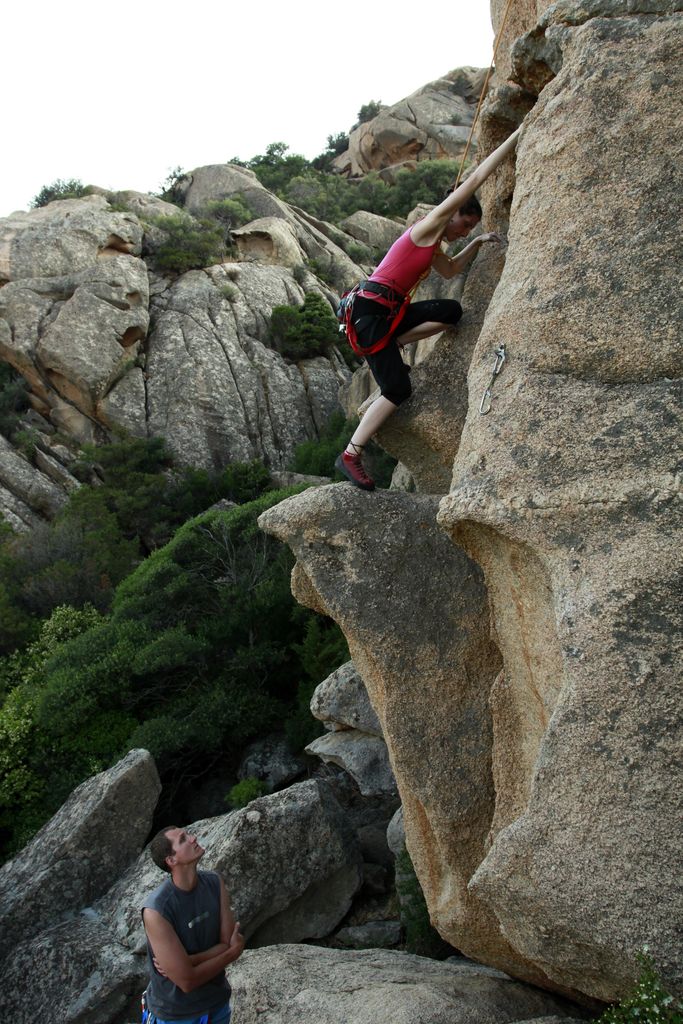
column 352, row 468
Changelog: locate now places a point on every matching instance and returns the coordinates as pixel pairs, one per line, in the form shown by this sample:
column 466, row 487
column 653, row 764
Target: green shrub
column 322, row 650
column 70, row 188
column 648, row 1003
column 203, row 650
column 169, row 189
column 299, row 332
column 426, row 184
column 276, row 166
column 26, row 442
column 13, row 399
column 359, row 253
column 104, row 532
column 230, row 213
column 245, row 791
column 368, row 111
column 421, row 937
column 189, row 244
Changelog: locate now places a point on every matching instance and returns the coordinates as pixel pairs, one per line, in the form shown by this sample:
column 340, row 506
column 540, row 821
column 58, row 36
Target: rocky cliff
column 518, row 623
column 107, row 343
column 432, row 123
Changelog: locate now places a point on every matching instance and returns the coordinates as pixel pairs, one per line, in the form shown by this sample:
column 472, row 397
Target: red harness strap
column 350, row 331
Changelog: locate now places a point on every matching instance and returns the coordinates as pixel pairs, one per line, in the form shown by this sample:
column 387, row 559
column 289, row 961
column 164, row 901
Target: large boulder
column 64, row 237
column 311, row 985
column 75, row 857
column 378, row 232
column 341, row 701
column 567, row 494
column 363, row 756
column 71, row 973
column 290, row 861
column 414, row 611
column 430, row 124
column 31, row 489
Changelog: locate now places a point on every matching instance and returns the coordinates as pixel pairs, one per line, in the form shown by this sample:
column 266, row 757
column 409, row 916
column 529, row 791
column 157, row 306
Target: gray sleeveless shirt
column 196, row 919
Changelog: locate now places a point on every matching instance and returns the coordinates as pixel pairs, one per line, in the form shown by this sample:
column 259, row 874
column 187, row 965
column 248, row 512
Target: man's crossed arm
column 189, row 971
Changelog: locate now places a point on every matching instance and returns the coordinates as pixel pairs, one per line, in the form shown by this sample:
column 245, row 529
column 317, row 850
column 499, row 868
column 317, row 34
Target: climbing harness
column 395, row 302
column 483, row 91
column 485, row 404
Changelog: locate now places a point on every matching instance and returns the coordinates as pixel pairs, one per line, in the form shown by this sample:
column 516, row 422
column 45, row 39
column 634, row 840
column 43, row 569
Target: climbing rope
column 483, row 90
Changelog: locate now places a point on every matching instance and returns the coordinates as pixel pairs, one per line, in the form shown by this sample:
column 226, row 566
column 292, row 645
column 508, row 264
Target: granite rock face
column 215, row 391
column 78, row 972
column 567, row 495
column 440, row 747
column 73, row 859
column 309, row 985
column 107, row 345
column 432, row 123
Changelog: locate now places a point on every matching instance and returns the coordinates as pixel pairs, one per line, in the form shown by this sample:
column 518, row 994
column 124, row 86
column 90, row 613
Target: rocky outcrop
column 379, row 233
column 354, row 739
column 108, row 346
column 367, row 580
column 364, row 757
column 279, row 232
column 567, row 496
column 215, row 391
column 77, row 972
column 430, row 124
column 309, row 985
column 73, row 859
column 341, row 702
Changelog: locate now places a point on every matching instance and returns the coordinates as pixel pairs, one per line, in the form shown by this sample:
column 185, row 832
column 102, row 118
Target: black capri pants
column 372, row 321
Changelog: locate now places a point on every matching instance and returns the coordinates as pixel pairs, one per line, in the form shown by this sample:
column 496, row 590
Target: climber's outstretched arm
column 430, row 229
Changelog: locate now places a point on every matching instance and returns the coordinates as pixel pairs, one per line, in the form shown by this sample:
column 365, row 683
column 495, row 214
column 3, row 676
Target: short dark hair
column 472, row 206
column 161, row 847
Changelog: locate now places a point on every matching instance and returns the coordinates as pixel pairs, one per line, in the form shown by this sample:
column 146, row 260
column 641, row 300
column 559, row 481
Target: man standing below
column 191, row 936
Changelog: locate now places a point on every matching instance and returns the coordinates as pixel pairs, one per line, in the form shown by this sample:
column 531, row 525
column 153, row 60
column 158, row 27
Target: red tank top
column 405, row 263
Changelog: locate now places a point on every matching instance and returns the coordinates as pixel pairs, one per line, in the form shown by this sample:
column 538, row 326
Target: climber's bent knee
column 391, row 373
column 440, row 311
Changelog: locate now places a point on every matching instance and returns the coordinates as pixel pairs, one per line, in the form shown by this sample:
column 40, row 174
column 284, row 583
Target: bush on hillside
column 368, row 111
column 13, row 399
column 104, row 532
column 299, row 332
column 71, row 188
column 189, row 243
column 230, row 213
column 204, row 649
column 245, row 791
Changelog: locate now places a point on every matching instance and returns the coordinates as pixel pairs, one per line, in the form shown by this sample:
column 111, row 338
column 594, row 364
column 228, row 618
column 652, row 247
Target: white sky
column 118, row 94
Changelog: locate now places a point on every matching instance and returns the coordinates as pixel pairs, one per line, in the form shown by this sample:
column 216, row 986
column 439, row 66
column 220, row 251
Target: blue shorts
column 219, row 1016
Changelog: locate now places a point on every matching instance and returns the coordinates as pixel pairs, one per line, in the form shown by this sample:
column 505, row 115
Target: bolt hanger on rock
column 485, row 404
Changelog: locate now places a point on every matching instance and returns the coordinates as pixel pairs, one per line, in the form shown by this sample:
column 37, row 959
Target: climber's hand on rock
column 491, row 236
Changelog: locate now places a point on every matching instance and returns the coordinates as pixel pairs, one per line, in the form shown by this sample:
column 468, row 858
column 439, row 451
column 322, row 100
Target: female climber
column 380, row 319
